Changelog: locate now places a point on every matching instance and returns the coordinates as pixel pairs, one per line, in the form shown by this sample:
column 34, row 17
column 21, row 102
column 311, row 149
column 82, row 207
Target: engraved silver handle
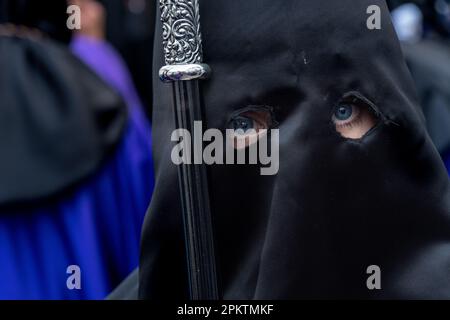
column 182, row 41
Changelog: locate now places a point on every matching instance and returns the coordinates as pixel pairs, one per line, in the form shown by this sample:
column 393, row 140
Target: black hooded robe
column 336, row 206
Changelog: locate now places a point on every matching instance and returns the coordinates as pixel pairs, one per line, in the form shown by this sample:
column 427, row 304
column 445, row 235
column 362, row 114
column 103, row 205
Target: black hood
column 336, row 205
column 59, row 121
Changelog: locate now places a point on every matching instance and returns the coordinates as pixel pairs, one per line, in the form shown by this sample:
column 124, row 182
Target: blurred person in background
column 90, row 45
column 423, row 26
column 129, row 28
column 76, row 173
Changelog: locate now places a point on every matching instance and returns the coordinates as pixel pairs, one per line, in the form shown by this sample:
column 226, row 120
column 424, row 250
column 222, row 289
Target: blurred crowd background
column 76, row 173
column 423, row 27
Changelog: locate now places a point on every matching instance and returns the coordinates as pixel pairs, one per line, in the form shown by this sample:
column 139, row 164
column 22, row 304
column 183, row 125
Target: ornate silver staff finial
column 183, row 55
column 182, row 41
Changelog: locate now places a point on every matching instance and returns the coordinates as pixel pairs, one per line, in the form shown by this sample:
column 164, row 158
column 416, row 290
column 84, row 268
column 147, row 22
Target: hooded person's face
column 359, row 182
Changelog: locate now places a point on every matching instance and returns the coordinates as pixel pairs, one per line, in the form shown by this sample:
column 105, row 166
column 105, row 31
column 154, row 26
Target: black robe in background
column 336, row 206
column 58, row 119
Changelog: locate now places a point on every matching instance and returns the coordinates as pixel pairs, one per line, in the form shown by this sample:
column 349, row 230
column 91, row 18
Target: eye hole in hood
column 250, row 123
column 354, row 116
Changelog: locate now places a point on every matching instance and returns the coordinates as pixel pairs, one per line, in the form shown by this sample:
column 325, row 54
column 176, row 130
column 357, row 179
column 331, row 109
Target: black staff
column 184, row 67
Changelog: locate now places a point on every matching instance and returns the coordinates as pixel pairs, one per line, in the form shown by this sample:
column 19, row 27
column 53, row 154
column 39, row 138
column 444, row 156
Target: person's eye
column 345, row 113
column 353, row 120
column 243, row 124
column 251, row 120
column 248, row 126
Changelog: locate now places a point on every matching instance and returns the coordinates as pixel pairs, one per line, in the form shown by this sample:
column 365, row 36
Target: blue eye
column 242, row 123
column 343, row 112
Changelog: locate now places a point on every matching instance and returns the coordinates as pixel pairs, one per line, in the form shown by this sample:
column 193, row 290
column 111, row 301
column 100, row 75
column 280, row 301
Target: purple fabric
column 106, row 62
column 98, row 226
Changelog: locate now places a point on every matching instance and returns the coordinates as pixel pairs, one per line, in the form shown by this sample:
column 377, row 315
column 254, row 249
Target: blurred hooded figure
column 76, row 169
column 421, row 26
column 360, row 185
column 129, row 28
